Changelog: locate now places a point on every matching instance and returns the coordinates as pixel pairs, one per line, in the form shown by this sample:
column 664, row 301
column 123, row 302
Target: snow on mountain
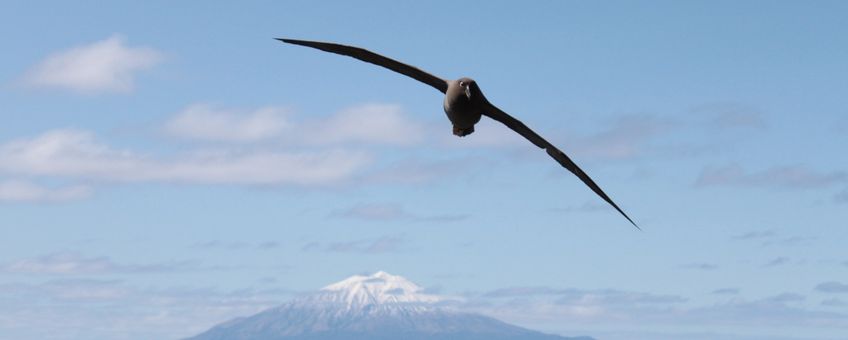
column 379, row 306
column 380, row 288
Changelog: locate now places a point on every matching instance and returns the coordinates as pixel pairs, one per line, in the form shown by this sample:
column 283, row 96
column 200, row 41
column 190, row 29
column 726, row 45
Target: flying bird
column 464, row 105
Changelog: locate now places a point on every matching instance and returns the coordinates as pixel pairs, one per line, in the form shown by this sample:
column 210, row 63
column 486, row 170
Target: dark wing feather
column 376, row 59
column 517, row 126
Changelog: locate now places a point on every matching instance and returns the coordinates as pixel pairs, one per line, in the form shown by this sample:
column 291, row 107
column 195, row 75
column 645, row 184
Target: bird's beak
column 468, row 91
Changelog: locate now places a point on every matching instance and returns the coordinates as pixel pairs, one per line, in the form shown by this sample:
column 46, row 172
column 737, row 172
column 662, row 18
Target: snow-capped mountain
column 375, row 307
column 379, row 289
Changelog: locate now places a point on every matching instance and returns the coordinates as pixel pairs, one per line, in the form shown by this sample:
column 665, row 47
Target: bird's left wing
column 517, row 126
column 376, row 59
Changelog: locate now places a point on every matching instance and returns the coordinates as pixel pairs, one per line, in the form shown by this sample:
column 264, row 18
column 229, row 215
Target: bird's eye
column 462, row 83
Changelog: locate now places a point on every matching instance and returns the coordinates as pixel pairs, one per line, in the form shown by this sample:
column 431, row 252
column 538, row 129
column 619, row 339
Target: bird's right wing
column 376, row 59
column 561, row 158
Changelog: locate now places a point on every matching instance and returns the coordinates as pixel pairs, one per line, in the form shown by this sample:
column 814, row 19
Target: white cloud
column 24, row 191
column 208, row 123
column 75, row 153
column 105, row 66
column 369, row 123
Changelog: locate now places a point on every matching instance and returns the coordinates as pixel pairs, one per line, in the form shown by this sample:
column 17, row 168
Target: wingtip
column 637, row 227
column 631, row 221
column 625, row 215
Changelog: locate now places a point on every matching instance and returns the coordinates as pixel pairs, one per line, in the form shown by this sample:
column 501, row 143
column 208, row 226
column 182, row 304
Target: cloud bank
column 78, row 154
column 205, row 122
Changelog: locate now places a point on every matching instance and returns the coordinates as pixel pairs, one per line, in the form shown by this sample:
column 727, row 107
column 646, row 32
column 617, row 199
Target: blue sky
column 165, row 167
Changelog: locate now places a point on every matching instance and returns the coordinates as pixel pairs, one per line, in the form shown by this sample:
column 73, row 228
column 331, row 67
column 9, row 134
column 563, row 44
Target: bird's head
column 469, row 85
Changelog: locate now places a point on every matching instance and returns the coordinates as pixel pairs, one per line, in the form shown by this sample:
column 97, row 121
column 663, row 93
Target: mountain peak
column 376, row 289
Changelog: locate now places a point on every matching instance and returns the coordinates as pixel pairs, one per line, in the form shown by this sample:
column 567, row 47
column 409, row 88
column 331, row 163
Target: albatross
column 464, row 105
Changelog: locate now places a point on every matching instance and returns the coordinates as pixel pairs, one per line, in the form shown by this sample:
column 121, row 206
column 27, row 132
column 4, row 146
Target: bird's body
column 464, row 105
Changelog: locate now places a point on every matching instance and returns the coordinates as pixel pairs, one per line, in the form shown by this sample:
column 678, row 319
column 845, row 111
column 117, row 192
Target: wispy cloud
column 76, row 153
column 726, row 291
column 235, row 245
column 26, row 191
column 385, row 244
column 526, row 291
column 628, row 137
column 548, row 306
column 74, row 263
column 789, row 241
column 756, row 235
column 574, row 296
column 392, row 212
column 832, row 287
column 726, row 115
column 841, row 197
column 779, row 261
column 834, row 302
column 771, row 237
column 796, row 177
column 374, row 212
column 588, row 206
column 739, row 119
column 104, row 66
column 206, row 122
column 268, row 245
column 783, row 309
column 416, row 171
column 786, row 298
column 700, row 266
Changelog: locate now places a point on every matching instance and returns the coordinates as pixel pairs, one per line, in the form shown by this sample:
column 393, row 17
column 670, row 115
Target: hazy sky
column 165, row 166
